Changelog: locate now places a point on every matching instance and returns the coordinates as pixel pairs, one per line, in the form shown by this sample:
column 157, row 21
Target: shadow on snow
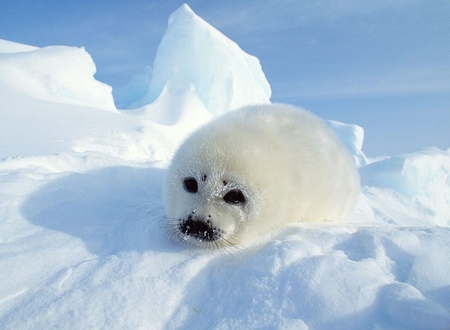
column 111, row 210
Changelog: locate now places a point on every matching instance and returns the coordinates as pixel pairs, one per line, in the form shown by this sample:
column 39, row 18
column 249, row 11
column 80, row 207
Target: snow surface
column 82, row 241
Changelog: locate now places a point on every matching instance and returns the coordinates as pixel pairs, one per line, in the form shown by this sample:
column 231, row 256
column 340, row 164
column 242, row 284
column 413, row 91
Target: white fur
column 287, row 162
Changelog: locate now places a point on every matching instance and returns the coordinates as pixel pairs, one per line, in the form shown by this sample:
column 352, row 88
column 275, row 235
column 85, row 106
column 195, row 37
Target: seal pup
column 255, row 169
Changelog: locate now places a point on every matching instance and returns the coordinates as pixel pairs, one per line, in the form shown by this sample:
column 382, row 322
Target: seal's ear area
column 235, row 197
column 190, row 185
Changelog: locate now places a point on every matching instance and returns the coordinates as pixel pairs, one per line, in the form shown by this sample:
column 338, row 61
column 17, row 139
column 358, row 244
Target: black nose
column 199, row 229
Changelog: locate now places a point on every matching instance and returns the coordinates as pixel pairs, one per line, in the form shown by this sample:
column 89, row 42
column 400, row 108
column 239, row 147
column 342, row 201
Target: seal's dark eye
column 190, row 185
column 234, row 197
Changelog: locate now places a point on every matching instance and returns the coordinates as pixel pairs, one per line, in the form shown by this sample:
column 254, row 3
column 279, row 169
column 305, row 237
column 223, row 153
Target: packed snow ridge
column 82, row 245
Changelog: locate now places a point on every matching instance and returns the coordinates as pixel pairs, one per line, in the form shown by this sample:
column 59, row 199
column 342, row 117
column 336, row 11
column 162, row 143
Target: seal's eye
column 234, row 197
column 190, row 185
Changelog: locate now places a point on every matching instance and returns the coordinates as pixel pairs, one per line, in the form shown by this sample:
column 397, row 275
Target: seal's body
column 255, row 169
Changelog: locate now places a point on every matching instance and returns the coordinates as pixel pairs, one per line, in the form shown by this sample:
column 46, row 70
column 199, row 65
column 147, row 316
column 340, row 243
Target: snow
column 353, row 138
column 193, row 54
column 7, row 47
column 136, row 89
column 60, row 73
column 421, row 179
column 82, row 237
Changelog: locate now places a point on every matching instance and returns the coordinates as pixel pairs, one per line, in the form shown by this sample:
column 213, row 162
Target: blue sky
column 384, row 65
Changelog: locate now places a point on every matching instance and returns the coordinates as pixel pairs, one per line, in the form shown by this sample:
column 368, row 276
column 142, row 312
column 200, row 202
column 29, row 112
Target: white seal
column 250, row 171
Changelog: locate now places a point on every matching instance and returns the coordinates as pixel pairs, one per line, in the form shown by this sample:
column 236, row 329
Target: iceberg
column 135, row 90
column 194, row 55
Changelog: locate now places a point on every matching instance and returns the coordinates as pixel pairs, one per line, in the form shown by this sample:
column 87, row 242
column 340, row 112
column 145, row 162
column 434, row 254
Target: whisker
column 224, row 243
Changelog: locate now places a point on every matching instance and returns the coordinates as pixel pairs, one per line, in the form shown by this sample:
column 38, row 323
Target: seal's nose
column 199, row 229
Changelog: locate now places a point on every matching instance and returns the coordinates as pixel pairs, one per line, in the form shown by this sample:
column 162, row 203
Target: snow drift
column 59, row 73
column 81, row 240
column 419, row 179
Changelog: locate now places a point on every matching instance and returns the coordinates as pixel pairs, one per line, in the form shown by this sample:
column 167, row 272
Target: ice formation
column 194, row 55
column 421, row 178
column 57, row 73
column 353, row 137
column 136, row 89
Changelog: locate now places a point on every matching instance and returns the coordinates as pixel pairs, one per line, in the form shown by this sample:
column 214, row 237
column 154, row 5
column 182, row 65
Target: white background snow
column 82, row 240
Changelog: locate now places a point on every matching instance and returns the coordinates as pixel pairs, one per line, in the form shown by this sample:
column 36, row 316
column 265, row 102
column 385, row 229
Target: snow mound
column 420, row 180
column 186, row 113
column 192, row 52
column 353, row 137
column 57, row 73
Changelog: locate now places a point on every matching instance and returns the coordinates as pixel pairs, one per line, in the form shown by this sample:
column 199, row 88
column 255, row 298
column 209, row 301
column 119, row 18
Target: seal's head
column 209, row 194
column 209, row 210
